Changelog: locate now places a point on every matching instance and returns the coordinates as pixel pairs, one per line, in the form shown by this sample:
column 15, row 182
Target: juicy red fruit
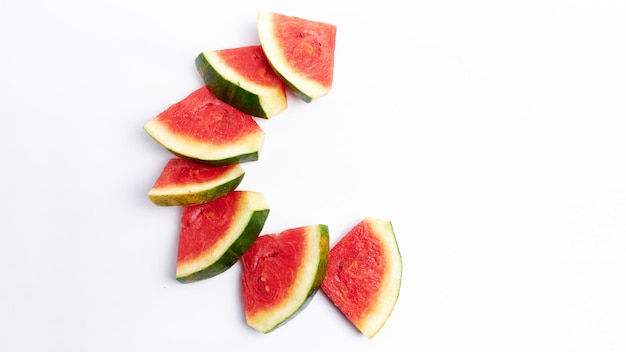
column 271, row 260
column 181, row 172
column 202, row 224
column 355, row 271
column 202, row 116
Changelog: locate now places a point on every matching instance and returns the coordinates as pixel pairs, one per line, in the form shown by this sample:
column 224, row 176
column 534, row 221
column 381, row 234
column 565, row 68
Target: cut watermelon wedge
column 281, row 274
column 302, row 52
column 214, row 235
column 183, row 183
column 364, row 275
column 203, row 128
column 243, row 78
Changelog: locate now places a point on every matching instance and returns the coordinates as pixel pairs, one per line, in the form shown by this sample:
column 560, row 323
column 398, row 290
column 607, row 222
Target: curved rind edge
column 233, row 253
column 303, row 87
column 189, row 150
column 385, row 304
column 163, row 198
column 228, row 91
column 315, row 284
column 231, row 87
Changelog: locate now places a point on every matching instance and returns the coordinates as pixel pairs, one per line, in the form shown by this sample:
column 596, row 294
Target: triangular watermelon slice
column 364, row 275
column 301, row 51
column 243, row 78
column 281, row 274
column 203, row 128
column 214, row 235
column 184, row 182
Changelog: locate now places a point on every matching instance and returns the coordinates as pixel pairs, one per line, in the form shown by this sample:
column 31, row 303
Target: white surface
column 490, row 133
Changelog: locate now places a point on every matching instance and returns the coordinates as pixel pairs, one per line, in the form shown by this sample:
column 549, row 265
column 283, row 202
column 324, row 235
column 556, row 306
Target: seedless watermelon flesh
column 281, row 274
column 214, row 235
column 183, row 183
column 364, row 275
column 203, row 128
column 301, row 51
column 243, row 78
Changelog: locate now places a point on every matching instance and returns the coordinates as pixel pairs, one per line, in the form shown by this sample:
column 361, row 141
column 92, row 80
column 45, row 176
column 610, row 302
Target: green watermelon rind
column 246, row 96
column 304, row 88
column 197, row 193
column 240, row 151
column 269, row 322
column 249, row 229
column 237, row 159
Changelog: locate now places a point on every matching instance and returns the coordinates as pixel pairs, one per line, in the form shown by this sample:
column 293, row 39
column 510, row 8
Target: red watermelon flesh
column 181, row 172
column 214, row 235
column 201, row 226
column 251, row 63
column 243, row 78
column 364, row 274
column 183, row 182
column 308, row 45
column 281, row 273
column 275, row 268
column 203, row 117
column 204, row 128
column 301, row 51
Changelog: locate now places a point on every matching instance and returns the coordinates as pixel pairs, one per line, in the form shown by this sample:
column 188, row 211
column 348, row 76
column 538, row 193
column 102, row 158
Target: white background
column 491, row 134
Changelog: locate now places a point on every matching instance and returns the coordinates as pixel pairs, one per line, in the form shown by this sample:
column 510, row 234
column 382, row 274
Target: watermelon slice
column 183, row 182
column 243, row 78
column 214, row 235
column 301, row 51
column 203, row 128
column 364, row 274
column 281, row 274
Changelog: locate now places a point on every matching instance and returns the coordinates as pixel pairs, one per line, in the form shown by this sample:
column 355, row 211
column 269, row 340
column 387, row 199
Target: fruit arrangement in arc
column 211, row 132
